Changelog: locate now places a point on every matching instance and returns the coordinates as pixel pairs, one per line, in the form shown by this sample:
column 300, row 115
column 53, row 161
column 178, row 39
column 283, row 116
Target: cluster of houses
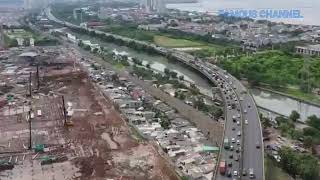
column 187, row 147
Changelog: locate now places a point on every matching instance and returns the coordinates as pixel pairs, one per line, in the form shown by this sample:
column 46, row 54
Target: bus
column 226, row 143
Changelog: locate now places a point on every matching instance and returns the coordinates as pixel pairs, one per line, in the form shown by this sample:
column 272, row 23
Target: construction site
column 55, row 124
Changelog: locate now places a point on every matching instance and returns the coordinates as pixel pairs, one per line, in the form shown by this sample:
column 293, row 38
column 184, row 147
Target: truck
column 222, row 167
column 226, row 143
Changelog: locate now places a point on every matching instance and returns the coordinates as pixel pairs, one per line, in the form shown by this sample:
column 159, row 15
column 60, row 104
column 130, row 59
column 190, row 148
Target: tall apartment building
column 155, row 5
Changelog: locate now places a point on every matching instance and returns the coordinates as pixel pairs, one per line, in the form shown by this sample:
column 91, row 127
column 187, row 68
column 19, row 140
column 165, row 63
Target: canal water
column 283, row 105
column 267, row 100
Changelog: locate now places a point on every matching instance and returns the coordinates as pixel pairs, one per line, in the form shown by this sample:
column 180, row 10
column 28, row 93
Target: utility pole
column 30, row 88
column 38, row 78
column 64, row 111
column 30, row 136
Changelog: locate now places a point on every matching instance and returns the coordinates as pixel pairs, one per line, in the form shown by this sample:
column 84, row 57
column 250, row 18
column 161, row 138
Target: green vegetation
column 312, row 133
column 309, row 135
column 276, row 69
column 300, row 165
column 130, row 31
column 175, row 43
column 273, row 172
column 297, row 93
column 9, row 42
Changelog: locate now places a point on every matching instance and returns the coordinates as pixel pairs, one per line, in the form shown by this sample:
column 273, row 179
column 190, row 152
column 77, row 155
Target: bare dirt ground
column 96, row 145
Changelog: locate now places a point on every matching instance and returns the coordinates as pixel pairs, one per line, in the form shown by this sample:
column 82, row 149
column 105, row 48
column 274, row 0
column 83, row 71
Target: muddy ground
column 96, row 143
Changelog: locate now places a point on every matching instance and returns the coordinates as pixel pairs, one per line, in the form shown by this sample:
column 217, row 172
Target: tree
column 314, row 121
column 95, row 50
column 182, row 96
column 80, row 43
column 173, row 74
column 165, row 123
column 87, row 48
column 265, row 122
column 307, row 141
column 289, row 161
column 294, row 116
column 167, row 71
column 281, row 119
column 148, row 66
column 218, row 113
column 136, row 61
column 194, row 89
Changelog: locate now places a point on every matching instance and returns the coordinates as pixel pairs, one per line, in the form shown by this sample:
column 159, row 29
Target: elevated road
column 241, row 114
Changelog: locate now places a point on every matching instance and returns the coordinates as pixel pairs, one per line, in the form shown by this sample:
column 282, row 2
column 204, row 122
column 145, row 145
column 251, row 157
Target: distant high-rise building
column 155, row 5
column 34, row 4
column 160, row 6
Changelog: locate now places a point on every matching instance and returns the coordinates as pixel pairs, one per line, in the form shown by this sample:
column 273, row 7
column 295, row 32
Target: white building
column 309, row 50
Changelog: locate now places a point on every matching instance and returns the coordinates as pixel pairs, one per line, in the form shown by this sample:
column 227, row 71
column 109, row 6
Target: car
column 233, row 128
column 238, row 149
column 239, row 116
column 244, row 172
column 231, row 156
column 238, row 123
column 229, row 173
column 237, row 158
column 239, row 133
column 233, row 140
column 246, row 121
column 251, row 174
column 238, row 142
column 231, row 148
column 245, row 111
column 249, row 106
column 235, row 173
column 230, row 164
column 257, row 145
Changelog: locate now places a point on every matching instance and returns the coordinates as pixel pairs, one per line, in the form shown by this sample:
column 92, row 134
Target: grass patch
column 272, row 172
column 301, row 95
column 119, row 66
column 175, row 43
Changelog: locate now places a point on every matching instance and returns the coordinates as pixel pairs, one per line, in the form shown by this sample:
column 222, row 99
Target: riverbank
column 273, row 172
column 294, row 94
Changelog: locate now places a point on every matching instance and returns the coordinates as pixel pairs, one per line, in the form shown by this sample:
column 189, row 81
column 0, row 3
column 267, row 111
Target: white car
column 238, row 142
column 235, row 173
column 245, row 111
column 246, row 121
column 238, row 123
column 233, row 140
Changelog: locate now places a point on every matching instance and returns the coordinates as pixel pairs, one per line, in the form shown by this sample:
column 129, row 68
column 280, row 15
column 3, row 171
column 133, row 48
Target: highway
column 245, row 110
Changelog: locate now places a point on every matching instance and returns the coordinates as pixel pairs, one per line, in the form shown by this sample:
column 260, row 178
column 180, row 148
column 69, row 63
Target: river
column 309, row 8
column 274, row 102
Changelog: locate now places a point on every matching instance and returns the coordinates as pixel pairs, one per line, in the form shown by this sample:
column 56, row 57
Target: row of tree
column 299, row 165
